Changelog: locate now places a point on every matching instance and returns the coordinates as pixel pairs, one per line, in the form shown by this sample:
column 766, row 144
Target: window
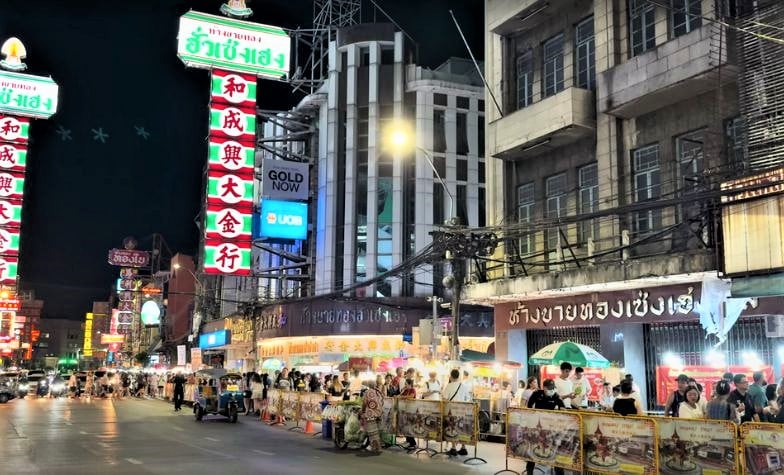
column 480, row 137
column 588, row 182
column 481, row 106
column 686, row 16
column 482, row 218
column 364, row 56
column 688, row 150
column 462, row 170
column 642, row 26
column 552, row 52
column 735, row 133
column 525, row 79
column 439, row 163
column 438, row 203
column 439, row 99
column 461, row 145
column 525, row 214
column 387, row 55
column 461, row 199
column 555, row 206
column 647, row 186
column 481, row 172
column 462, row 102
column 439, row 131
column 586, row 54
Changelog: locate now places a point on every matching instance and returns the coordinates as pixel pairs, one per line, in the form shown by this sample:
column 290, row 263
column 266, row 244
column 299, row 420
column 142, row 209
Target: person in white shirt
column 455, row 391
column 582, row 388
column 468, row 381
column 694, row 406
column 432, row 388
column 563, row 385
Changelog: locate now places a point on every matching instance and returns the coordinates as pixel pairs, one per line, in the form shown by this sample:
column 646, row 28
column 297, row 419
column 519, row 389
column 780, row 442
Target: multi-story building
column 61, row 338
column 616, row 121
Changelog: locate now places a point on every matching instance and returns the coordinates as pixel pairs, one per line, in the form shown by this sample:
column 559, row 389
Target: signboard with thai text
column 209, row 41
column 129, row 258
column 27, row 95
column 707, row 376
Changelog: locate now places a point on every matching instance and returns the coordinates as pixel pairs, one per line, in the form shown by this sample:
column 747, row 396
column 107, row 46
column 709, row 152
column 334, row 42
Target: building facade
column 617, row 120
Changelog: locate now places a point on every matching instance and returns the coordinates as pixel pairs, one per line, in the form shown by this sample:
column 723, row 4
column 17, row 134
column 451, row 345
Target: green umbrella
column 566, row 351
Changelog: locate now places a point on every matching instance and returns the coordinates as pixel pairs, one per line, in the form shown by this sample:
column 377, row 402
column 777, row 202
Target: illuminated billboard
column 283, row 220
column 214, row 339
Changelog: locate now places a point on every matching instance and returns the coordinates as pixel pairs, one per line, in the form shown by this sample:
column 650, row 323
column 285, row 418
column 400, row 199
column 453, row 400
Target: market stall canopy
column 569, row 352
column 471, row 355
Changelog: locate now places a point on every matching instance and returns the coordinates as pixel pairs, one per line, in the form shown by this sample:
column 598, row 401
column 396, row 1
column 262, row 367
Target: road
column 64, row 436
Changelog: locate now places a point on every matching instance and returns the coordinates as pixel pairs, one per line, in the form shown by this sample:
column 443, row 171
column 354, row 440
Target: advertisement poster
column 696, row 447
column 707, row 376
column 547, row 437
column 460, row 423
column 291, row 405
column 419, row 418
column 274, row 399
column 614, row 444
column 310, row 406
column 763, row 448
column 387, row 424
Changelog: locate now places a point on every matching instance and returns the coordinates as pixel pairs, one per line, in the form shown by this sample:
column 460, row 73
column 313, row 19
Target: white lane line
column 178, row 429
column 212, row 439
column 134, row 461
column 83, row 432
column 261, row 452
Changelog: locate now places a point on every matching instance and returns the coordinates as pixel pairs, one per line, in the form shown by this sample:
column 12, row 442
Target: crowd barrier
column 604, row 443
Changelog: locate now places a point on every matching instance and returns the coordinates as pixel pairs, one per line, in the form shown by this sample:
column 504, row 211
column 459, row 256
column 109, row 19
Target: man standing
column 432, row 388
column 678, row 396
column 546, row 398
column 757, row 392
column 563, row 385
column 397, row 382
column 372, row 411
column 179, row 391
column 456, row 391
column 741, row 399
column 582, row 389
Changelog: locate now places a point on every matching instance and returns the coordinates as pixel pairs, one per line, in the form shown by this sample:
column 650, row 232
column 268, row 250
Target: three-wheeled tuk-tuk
column 218, row 393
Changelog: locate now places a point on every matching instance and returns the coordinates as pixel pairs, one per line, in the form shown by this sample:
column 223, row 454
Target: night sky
column 118, row 72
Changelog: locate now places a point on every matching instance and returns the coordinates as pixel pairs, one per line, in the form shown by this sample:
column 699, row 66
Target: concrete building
column 616, row 119
column 60, row 337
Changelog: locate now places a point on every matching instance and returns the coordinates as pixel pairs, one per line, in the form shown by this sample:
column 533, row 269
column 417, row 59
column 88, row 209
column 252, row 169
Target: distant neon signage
column 214, row 339
column 283, row 219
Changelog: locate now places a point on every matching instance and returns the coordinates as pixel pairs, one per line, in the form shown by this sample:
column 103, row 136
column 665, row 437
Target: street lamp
column 398, row 137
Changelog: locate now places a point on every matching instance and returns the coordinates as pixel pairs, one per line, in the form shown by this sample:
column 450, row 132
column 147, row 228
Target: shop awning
column 471, row 355
column 758, row 286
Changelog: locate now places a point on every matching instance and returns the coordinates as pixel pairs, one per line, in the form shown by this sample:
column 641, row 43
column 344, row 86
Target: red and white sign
column 707, row 376
column 10, row 305
column 14, row 129
column 126, row 258
column 8, row 269
column 234, row 88
column 13, row 157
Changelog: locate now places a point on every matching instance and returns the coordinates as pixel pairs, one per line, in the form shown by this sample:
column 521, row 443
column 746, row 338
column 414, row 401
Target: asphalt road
column 64, row 436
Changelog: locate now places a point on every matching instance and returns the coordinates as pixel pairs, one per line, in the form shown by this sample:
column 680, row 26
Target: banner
column 274, row 401
column 419, row 418
column 387, row 424
column 196, row 359
column 460, row 422
column 290, row 408
column 707, row 376
column 763, row 448
column 181, row 355
column 310, row 406
column 546, row 437
column 613, row 444
column 696, row 446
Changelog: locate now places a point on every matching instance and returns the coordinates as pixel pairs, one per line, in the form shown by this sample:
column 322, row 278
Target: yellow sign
column 87, row 348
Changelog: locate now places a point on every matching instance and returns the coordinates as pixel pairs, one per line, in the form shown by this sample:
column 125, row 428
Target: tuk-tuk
column 218, row 393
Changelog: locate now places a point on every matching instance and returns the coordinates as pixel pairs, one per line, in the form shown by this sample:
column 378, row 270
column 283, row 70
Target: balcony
column 677, row 70
column 507, row 17
column 553, row 122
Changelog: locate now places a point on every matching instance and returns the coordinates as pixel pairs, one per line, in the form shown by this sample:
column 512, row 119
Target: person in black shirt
column 741, row 399
column 179, row 391
column 545, row 398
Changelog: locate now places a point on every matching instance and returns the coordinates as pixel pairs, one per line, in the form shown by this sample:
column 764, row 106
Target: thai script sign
column 128, row 258
column 209, row 41
column 285, row 180
column 27, row 95
column 756, row 186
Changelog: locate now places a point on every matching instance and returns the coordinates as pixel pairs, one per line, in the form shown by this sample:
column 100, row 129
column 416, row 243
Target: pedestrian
column 719, row 407
column 409, row 392
column 694, row 405
column 742, row 400
column 247, row 396
column 73, row 385
column 582, row 389
column 675, row 398
column 257, row 393
column 455, row 391
column 626, row 404
column 545, row 398
column 372, row 411
column 160, row 383
column 432, row 388
column 757, row 392
column 564, row 386
column 772, row 409
column 398, row 382
column 531, row 385
column 179, row 391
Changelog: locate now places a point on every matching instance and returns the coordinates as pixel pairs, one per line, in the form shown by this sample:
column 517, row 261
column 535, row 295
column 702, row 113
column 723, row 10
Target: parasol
column 569, row 352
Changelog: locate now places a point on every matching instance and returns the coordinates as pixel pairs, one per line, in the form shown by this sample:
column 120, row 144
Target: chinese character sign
column 230, row 167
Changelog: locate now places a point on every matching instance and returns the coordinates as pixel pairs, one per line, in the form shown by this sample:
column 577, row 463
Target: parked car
column 7, row 390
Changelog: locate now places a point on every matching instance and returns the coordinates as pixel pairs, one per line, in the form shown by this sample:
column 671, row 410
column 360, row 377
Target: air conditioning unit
column 774, row 326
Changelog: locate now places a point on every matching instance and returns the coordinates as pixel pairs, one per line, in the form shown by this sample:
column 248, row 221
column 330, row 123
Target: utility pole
column 435, row 336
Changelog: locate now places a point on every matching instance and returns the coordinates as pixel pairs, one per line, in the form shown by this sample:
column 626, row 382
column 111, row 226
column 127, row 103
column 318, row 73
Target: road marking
column 212, row 439
column 69, row 423
column 104, row 445
column 83, row 432
column 179, row 429
column 134, row 461
column 261, row 452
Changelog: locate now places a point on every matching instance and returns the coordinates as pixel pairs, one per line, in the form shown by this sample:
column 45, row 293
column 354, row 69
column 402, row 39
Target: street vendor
column 372, row 412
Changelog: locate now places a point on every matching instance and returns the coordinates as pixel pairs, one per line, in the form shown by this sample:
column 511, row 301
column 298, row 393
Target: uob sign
column 285, row 180
column 283, row 219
